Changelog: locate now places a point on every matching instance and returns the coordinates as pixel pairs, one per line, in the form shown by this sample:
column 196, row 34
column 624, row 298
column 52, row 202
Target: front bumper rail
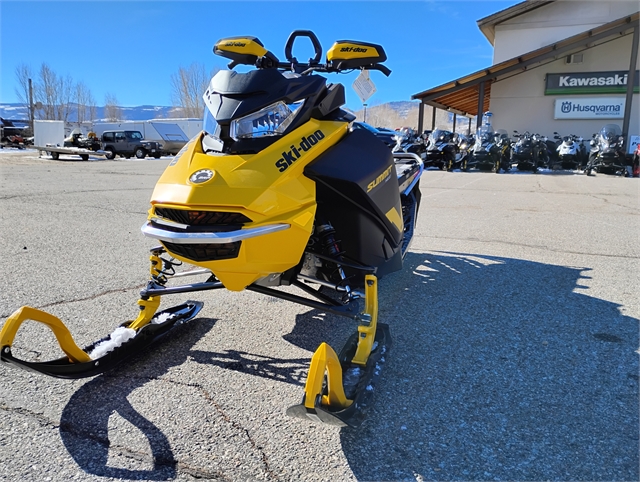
column 153, row 231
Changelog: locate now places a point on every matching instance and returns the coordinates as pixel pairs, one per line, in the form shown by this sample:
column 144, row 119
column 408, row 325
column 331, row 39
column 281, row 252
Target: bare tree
column 85, row 103
column 112, row 111
column 55, row 93
column 187, row 87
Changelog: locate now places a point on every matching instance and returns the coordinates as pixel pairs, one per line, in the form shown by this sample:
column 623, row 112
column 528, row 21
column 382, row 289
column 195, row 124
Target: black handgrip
column 314, row 40
column 385, row 70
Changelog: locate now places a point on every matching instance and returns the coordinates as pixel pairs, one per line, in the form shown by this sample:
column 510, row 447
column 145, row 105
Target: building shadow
column 85, row 418
column 501, row 369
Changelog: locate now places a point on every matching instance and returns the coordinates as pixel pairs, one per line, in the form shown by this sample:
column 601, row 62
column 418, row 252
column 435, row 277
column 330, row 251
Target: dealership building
column 565, row 66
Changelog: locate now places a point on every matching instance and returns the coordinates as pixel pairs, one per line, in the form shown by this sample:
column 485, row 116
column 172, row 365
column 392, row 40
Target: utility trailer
column 55, row 151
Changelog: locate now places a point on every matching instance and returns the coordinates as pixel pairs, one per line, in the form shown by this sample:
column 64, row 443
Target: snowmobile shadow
column 284, row 370
column 501, row 369
column 85, row 418
column 310, row 330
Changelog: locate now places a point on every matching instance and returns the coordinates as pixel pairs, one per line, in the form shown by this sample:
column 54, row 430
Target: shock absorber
column 330, row 246
column 327, row 236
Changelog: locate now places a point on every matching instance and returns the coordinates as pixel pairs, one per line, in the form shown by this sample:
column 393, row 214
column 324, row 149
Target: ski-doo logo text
column 380, row 179
column 353, row 49
column 291, row 156
column 235, row 44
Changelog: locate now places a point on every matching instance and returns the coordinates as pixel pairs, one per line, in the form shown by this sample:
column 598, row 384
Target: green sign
column 590, row 83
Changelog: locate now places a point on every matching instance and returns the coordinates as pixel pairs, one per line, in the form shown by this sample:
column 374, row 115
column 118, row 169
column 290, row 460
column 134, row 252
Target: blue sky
column 131, row 48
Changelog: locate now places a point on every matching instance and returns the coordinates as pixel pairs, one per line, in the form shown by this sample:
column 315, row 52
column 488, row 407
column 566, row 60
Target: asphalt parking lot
column 515, row 341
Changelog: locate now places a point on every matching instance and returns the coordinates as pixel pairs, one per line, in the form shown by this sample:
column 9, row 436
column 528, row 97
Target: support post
column 31, row 113
column 455, row 116
column 469, row 127
column 631, row 82
column 420, row 117
column 433, row 118
column 480, row 105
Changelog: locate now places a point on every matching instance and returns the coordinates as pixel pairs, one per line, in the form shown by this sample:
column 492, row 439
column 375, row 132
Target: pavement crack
column 159, row 461
column 265, row 461
column 37, row 416
column 86, row 298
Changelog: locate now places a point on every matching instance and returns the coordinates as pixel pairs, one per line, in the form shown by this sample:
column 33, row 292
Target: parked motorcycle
column 277, row 190
column 571, row 152
column 529, row 151
column 607, row 154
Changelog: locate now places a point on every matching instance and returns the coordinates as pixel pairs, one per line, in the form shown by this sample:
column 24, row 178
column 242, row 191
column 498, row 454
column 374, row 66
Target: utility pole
column 31, row 106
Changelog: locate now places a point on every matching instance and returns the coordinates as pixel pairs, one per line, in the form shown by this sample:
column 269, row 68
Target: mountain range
column 141, row 112
column 148, row 112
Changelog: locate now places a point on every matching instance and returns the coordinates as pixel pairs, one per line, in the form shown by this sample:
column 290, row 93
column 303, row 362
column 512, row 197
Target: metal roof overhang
column 462, row 96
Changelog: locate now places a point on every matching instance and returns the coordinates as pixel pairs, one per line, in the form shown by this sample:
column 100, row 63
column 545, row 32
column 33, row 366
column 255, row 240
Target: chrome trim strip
column 210, row 238
column 193, row 272
column 168, row 222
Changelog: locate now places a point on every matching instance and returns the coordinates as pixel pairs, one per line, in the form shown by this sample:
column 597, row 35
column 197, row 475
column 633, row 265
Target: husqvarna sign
column 590, row 108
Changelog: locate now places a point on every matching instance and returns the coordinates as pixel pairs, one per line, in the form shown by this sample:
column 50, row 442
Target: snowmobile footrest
column 358, row 381
column 64, row 367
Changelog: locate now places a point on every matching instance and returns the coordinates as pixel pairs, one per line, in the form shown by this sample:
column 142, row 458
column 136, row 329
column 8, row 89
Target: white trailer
column 48, row 132
column 48, row 137
column 55, row 152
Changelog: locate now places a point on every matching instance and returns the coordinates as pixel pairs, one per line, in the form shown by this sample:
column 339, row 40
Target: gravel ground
column 514, row 325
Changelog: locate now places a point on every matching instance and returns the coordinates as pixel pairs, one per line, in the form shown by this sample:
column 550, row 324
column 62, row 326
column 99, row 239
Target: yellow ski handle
column 61, row 332
column 367, row 333
column 326, row 360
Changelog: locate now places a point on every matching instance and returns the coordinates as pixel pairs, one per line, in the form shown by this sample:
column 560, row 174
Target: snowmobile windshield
column 440, row 135
column 211, row 140
column 485, row 134
column 610, row 132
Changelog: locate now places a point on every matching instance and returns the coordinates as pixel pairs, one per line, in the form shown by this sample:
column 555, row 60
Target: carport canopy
column 469, row 95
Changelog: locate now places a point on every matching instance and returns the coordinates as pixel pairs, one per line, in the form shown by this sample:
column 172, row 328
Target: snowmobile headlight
column 272, row 120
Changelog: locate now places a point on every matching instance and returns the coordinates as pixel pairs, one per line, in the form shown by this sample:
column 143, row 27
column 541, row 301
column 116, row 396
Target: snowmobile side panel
column 366, row 206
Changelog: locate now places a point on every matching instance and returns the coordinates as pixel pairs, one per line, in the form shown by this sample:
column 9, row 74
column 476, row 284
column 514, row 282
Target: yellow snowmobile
column 277, row 190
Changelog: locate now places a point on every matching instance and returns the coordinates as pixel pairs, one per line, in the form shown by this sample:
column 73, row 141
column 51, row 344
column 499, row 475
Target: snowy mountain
column 401, row 109
column 142, row 112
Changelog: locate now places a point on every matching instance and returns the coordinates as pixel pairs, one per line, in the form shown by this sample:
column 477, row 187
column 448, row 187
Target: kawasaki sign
column 590, row 108
column 589, row 83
